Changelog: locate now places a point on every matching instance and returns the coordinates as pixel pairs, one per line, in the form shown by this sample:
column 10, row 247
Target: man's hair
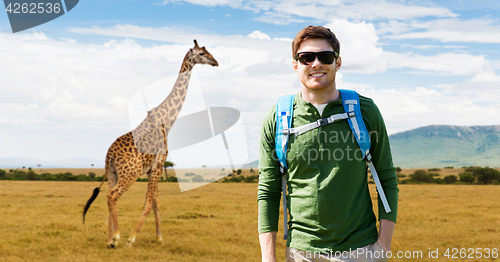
column 315, row 32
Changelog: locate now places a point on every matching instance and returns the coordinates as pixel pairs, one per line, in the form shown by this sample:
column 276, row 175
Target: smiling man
column 329, row 203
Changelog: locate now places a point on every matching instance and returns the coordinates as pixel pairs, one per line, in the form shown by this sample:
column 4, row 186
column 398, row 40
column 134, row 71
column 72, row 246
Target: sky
column 67, row 86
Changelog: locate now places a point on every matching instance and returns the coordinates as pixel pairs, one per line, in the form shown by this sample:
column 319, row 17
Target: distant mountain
column 444, row 145
column 77, row 162
column 253, row 164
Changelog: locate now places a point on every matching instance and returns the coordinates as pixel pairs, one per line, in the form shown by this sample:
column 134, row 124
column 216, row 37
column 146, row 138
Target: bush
column 82, row 177
column 172, row 179
column 31, row 175
column 92, row 175
column 486, row 175
column 197, row 178
column 451, row 179
column 251, row 179
column 239, row 171
column 435, row 169
column 439, row 181
column 3, row 174
column 467, row 177
column 18, row 175
column 422, row 176
column 471, row 168
column 48, row 177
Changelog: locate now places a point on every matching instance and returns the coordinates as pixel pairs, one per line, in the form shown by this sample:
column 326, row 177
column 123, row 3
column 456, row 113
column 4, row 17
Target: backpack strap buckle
column 322, row 122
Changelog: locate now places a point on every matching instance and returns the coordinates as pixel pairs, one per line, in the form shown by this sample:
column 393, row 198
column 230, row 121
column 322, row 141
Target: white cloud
column 259, row 35
column 392, row 27
column 443, row 64
column 359, row 47
column 483, row 30
column 411, row 108
column 288, row 11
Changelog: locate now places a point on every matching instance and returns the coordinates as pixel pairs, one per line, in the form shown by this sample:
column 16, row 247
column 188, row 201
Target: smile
column 318, row 74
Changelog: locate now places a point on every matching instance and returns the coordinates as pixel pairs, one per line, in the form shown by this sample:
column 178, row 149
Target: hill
column 444, row 145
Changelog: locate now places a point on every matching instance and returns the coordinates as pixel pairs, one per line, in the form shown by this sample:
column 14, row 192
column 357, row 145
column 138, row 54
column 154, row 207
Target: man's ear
column 294, row 63
column 338, row 63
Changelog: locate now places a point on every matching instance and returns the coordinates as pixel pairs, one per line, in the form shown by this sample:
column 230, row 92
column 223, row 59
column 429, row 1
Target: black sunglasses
column 325, row 57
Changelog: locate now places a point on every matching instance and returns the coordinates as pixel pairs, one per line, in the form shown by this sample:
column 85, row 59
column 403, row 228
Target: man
column 331, row 215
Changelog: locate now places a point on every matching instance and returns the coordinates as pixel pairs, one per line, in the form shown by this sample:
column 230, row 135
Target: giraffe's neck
column 166, row 113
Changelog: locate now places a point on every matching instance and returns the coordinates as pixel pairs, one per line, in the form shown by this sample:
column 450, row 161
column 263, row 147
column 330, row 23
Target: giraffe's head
column 200, row 55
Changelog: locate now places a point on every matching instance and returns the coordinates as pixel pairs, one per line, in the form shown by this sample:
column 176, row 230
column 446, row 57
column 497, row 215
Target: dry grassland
column 41, row 221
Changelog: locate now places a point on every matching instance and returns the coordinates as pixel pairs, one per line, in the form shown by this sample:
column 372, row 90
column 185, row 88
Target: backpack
column 352, row 108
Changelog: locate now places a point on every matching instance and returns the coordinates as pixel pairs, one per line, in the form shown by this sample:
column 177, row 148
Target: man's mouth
column 317, row 74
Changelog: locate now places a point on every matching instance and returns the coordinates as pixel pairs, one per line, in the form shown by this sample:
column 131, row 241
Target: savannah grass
column 42, row 221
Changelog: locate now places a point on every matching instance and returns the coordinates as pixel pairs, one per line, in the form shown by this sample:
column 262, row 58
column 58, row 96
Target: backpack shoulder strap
column 350, row 101
column 284, row 117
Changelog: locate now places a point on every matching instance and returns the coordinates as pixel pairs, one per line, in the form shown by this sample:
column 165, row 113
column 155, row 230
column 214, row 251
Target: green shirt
column 328, row 198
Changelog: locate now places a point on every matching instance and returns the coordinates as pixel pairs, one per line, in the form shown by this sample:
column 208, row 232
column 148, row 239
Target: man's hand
column 268, row 246
column 385, row 234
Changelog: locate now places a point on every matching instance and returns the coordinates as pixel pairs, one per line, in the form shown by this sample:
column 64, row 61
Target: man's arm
column 268, row 246
column 385, row 234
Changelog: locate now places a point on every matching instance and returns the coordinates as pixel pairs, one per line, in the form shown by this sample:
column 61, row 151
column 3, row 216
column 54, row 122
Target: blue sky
column 66, row 85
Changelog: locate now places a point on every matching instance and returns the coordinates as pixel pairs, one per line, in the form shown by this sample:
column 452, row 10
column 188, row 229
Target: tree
column 166, row 165
column 467, row 177
column 486, row 175
column 198, row 178
column 31, row 175
column 422, row 176
column 39, row 165
column 451, row 179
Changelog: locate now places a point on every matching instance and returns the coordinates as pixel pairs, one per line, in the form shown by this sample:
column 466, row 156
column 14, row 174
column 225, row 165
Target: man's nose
column 316, row 62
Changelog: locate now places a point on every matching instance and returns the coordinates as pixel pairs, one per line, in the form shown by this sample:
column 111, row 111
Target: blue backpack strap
column 350, row 101
column 284, row 114
column 284, row 117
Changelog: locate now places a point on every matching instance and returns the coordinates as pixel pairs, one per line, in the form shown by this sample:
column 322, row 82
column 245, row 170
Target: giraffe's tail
column 96, row 192
column 90, row 201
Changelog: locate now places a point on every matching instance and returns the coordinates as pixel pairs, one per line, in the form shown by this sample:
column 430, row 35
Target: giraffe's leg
column 114, row 233
column 152, row 185
column 156, row 209
column 113, row 195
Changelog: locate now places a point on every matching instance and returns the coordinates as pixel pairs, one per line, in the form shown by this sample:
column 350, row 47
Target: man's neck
column 318, row 97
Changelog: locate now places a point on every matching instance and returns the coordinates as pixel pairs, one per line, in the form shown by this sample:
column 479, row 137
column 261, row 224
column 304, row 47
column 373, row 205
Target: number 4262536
column 33, row 8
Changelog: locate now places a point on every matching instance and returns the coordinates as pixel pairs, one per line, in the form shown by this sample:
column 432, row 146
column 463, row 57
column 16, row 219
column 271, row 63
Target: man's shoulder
column 365, row 101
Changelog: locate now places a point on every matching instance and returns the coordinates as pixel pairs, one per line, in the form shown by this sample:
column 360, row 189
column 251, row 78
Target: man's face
column 316, row 76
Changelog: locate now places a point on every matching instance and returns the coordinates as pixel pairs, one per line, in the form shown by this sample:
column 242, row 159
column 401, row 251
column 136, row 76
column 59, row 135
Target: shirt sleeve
column 269, row 188
column 382, row 160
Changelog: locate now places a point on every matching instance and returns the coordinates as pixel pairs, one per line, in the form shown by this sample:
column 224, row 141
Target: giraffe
column 144, row 150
